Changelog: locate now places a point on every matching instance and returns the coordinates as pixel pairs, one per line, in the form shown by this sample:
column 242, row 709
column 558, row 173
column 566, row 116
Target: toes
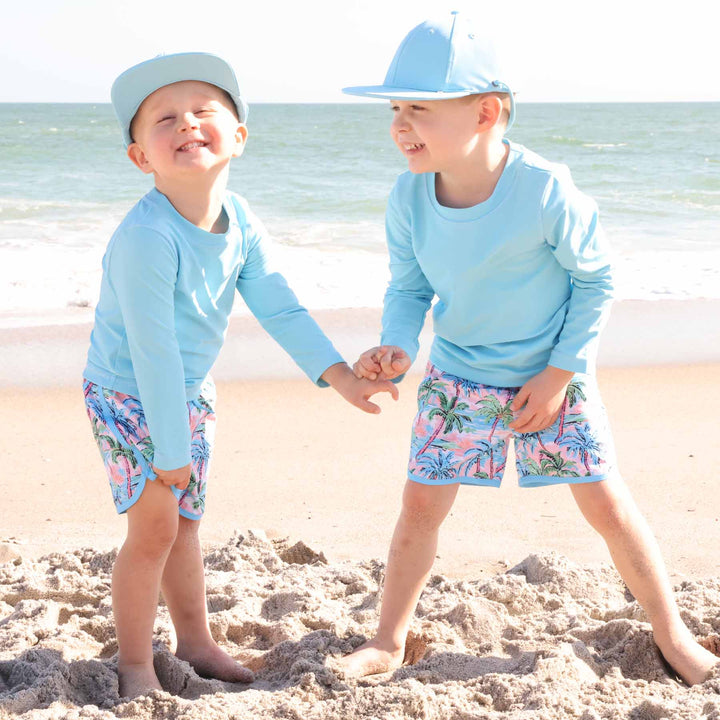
column 243, row 675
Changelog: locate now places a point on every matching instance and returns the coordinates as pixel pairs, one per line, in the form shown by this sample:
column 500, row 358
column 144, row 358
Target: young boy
column 516, row 258
column 169, row 279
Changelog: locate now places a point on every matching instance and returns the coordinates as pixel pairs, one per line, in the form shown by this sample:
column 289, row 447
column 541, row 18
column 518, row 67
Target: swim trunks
column 121, row 433
column 461, row 435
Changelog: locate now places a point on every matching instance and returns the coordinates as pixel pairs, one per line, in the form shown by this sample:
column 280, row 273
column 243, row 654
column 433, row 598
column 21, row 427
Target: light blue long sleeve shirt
column 165, row 299
column 522, row 280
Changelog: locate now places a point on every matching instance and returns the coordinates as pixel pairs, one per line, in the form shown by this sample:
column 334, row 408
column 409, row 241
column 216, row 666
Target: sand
column 547, row 639
column 525, row 618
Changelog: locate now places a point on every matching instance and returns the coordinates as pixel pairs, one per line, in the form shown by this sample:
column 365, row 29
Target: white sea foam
column 48, row 278
column 653, row 173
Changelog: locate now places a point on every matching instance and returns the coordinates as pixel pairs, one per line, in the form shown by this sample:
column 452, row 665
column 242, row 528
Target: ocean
column 319, row 175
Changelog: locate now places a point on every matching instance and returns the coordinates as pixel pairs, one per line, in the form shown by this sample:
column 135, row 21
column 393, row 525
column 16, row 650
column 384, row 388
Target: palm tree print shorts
column 461, row 435
column 121, row 433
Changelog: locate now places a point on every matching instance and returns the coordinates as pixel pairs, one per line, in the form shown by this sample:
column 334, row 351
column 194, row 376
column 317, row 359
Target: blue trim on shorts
column 533, row 481
column 478, row 482
column 528, row 481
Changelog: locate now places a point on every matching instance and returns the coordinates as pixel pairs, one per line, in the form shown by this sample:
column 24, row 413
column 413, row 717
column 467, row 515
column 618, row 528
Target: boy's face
column 184, row 129
column 436, row 135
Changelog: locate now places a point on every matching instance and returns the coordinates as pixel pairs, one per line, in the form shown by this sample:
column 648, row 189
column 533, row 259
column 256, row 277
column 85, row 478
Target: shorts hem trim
column 531, row 481
column 125, row 506
column 482, row 482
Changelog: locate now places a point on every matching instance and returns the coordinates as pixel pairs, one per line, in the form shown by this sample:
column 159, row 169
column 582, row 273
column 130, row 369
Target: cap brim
column 386, row 92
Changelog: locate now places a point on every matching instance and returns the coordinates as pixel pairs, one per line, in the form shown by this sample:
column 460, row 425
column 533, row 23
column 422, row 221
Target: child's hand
column 384, row 362
column 542, row 396
column 179, row 477
column 357, row 390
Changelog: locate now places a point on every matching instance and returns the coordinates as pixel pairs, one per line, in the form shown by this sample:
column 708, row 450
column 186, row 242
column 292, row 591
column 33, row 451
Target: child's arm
column 409, row 294
column 572, row 230
column 274, row 304
column 357, row 390
column 142, row 270
column 407, row 300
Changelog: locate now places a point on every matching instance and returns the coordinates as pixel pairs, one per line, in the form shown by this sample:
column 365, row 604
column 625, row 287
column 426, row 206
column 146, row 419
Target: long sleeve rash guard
column 165, row 299
column 522, row 280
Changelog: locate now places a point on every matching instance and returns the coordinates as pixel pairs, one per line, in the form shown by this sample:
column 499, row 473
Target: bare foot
column 371, row 659
column 210, row 661
column 690, row 660
column 135, row 680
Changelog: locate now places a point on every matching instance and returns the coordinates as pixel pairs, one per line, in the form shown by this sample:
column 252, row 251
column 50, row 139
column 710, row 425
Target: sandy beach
column 525, row 618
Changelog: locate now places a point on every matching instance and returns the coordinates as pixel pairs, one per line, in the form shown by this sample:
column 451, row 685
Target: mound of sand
column 547, row 639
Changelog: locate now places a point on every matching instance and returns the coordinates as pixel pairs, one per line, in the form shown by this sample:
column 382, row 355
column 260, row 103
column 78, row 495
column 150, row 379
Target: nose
column 399, row 122
column 188, row 121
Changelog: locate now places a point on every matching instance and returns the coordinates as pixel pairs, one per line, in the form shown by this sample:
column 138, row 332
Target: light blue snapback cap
column 135, row 84
column 440, row 59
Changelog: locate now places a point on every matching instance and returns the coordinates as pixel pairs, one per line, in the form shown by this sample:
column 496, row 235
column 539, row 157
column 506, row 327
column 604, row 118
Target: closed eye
column 415, row 108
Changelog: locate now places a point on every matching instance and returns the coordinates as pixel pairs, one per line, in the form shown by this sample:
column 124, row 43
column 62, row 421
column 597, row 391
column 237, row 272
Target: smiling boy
column 170, row 275
column 515, row 256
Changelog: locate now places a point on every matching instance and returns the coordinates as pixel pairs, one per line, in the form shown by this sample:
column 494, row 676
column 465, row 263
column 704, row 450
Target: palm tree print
column 477, row 455
column 462, row 431
column 493, row 410
column 438, row 467
column 553, row 464
column 126, row 425
column 428, row 387
column 129, row 461
column 583, row 443
column 575, row 392
column 462, row 385
column 450, row 414
column 135, row 410
column 91, row 400
column 121, row 434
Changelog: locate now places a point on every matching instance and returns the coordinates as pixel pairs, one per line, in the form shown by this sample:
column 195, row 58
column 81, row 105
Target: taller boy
column 518, row 262
column 170, row 275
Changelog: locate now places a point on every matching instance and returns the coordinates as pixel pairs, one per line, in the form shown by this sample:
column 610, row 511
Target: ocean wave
column 24, row 208
column 603, row 146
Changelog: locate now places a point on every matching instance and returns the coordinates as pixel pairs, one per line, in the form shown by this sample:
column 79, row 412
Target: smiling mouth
column 413, row 147
column 191, row 146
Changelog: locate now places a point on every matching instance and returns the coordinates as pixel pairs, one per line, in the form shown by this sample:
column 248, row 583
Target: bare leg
column 411, row 557
column 152, row 526
column 611, row 510
column 183, row 587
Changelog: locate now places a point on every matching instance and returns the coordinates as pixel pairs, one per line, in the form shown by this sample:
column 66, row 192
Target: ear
column 489, row 110
column 139, row 158
column 241, row 135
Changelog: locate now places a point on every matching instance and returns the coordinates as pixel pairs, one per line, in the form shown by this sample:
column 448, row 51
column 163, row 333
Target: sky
column 305, row 51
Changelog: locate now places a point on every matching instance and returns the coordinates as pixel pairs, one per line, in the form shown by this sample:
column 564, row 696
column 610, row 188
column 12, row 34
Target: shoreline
column 639, row 332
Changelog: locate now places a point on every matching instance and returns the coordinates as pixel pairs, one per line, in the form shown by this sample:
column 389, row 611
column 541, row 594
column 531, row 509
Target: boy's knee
column 610, row 512
column 154, row 543
column 424, row 506
column 153, row 534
